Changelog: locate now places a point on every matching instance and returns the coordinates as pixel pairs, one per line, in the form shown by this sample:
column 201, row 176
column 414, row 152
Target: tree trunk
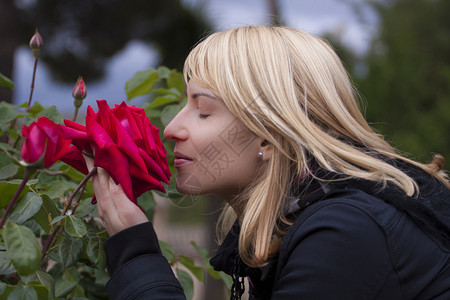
column 9, row 37
column 274, row 12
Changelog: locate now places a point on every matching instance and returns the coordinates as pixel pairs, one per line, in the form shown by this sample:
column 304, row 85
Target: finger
column 89, row 162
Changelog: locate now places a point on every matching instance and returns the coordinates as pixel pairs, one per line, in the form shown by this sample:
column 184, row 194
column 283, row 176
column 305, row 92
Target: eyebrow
column 195, row 95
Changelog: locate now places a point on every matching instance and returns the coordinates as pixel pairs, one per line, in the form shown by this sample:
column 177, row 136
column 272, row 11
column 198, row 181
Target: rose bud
column 44, row 143
column 79, row 92
column 35, row 44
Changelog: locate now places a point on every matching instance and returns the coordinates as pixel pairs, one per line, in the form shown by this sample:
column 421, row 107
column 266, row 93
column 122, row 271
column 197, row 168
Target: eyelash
column 203, row 116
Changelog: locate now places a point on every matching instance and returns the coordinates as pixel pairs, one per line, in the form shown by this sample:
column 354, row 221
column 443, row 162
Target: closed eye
column 203, row 116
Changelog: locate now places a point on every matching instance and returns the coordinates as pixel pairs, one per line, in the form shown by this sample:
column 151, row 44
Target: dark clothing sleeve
column 335, row 252
column 137, row 267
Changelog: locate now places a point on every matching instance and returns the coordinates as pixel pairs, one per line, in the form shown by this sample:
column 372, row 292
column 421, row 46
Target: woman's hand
column 116, row 211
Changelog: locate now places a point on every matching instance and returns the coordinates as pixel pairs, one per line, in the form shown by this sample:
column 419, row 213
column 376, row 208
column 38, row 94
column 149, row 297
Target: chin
column 189, row 185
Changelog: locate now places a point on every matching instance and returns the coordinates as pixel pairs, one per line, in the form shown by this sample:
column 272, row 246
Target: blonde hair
column 291, row 89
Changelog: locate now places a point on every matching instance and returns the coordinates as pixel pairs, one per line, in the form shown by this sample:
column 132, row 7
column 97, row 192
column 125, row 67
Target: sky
column 313, row 16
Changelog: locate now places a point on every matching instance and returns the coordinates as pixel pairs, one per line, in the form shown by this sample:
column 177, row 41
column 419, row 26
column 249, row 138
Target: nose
column 176, row 129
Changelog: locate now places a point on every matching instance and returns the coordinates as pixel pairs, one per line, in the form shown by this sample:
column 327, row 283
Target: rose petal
column 97, row 133
column 104, row 118
column 146, row 179
column 126, row 144
column 116, row 164
column 49, row 128
column 79, row 138
column 73, row 157
column 34, row 144
column 74, row 125
column 62, row 148
column 154, row 168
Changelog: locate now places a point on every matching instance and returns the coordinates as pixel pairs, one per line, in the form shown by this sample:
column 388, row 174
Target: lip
column 181, row 159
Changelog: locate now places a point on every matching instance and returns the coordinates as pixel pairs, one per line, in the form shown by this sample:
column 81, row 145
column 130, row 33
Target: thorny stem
column 14, row 198
column 32, row 83
column 54, row 233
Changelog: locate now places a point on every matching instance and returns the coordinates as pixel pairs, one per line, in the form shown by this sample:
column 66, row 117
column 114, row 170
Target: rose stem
column 81, row 186
column 14, row 198
column 32, row 83
column 75, row 114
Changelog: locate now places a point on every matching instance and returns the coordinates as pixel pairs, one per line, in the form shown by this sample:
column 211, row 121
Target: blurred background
column 397, row 52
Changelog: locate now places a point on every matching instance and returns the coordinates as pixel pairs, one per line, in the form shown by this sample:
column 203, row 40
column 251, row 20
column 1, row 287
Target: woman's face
column 214, row 152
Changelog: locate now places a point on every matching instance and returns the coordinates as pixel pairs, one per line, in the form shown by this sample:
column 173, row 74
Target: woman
column 319, row 206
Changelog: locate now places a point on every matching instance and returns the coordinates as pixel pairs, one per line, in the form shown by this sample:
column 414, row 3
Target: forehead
column 194, row 86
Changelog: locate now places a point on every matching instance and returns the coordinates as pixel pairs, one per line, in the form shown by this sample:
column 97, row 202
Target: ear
column 267, row 150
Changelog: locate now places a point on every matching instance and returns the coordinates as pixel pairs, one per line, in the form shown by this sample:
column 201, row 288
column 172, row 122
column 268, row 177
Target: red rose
column 43, row 139
column 126, row 145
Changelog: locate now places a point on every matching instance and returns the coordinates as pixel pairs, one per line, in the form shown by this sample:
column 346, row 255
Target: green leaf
column 6, row 82
column 101, row 277
column 160, row 101
column 78, row 293
column 168, row 113
column 52, row 113
column 47, row 280
column 96, row 252
column 152, row 113
column 22, row 247
column 226, row 279
column 141, row 83
column 72, row 173
column 202, row 251
column 171, row 92
column 69, row 251
column 42, row 219
column 5, row 290
column 7, row 167
column 23, row 292
column 213, row 273
column 59, row 187
column 190, row 265
column 26, row 208
column 50, row 207
column 163, row 71
column 147, row 202
column 35, row 109
column 9, row 148
column 74, row 226
column 42, row 291
column 9, row 112
column 6, row 266
column 167, row 250
column 8, row 189
column 176, row 81
column 38, row 280
column 19, row 181
column 63, row 287
column 86, row 208
column 13, row 134
column 187, row 283
column 47, row 212
column 57, row 219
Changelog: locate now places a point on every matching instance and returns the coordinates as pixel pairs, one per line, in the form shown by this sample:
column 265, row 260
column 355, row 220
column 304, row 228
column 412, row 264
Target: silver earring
column 260, row 155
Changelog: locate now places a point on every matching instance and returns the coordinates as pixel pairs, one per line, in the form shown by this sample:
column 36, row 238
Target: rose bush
column 125, row 144
column 43, row 143
column 51, row 243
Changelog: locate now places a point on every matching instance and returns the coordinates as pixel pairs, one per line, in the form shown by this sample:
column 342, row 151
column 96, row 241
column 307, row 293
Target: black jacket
column 347, row 242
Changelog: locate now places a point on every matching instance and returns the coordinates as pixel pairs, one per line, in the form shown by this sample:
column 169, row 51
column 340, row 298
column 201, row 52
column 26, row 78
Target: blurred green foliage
column 407, row 85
